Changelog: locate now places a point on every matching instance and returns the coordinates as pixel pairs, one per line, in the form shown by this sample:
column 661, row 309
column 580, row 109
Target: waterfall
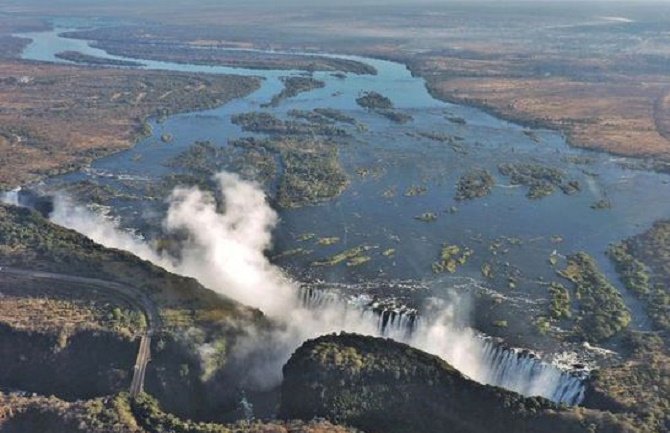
column 11, row 197
column 521, row 371
column 28, row 198
column 398, row 322
column 314, row 298
column 392, row 319
column 488, row 362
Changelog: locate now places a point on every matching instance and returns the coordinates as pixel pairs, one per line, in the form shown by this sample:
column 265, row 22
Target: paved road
column 131, row 294
column 143, row 357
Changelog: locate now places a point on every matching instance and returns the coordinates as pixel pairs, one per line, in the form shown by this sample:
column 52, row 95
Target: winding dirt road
column 130, row 294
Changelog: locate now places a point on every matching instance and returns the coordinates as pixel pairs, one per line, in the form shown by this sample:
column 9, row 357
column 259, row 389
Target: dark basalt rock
column 379, row 385
column 34, row 200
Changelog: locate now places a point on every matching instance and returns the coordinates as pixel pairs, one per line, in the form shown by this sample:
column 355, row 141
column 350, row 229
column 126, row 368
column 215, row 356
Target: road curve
column 131, row 294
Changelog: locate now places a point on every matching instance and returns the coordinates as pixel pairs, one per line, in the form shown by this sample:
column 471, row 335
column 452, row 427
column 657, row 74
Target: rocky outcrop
column 380, row 385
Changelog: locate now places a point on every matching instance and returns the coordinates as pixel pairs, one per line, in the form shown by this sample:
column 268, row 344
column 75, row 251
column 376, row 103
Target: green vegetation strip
column 353, row 256
column 602, row 312
column 635, row 277
column 293, row 86
column 383, row 106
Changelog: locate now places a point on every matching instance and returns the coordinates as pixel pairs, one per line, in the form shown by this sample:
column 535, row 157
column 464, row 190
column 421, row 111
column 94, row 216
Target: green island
column 437, row 136
column 336, row 115
column 92, row 191
column 306, row 237
column 412, row 191
column 330, row 240
column 311, row 168
column 291, row 253
column 310, row 116
column 155, row 48
column 454, row 141
column 269, row 124
column 203, row 159
column 474, row 184
column 602, row 312
column 322, row 116
column 358, row 260
column 383, row 106
column 451, row 257
column 78, row 57
column 167, row 138
column 310, row 178
column 532, row 135
column 374, row 101
column 353, row 257
column 395, row 116
column 370, row 172
column 487, row 270
column 389, row 192
column 541, row 180
column 293, row 86
column 427, row 217
column 456, row 120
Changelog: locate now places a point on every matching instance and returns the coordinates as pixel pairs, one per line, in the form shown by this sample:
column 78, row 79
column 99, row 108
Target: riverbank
column 44, row 133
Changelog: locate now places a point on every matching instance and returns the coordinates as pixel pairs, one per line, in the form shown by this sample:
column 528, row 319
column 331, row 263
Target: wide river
column 374, row 209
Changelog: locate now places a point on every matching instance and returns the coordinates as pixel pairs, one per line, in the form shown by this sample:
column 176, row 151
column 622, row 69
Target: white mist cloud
column 103, row 230
column 225, row 250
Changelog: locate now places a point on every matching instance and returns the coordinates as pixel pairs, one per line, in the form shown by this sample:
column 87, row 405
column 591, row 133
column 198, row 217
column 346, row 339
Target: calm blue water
column 362, row 215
